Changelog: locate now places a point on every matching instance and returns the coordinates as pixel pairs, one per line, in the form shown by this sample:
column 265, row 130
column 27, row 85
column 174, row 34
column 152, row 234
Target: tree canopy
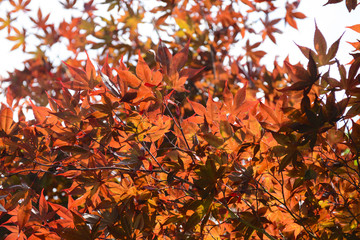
column 178, row 134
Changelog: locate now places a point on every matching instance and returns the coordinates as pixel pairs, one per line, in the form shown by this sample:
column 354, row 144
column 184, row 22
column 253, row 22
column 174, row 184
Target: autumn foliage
column 194, row 140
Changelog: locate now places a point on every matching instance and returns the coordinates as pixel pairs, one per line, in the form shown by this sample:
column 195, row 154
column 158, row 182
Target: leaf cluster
column 176, row 143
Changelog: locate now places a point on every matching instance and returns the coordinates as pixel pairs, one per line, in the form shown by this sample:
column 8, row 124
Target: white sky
column 331, row 20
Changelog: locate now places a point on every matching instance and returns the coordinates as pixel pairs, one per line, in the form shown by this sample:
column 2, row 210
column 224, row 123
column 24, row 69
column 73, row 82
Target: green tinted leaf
column 279, row 151
column 310, row 174
column 305, row 103
column 193, row 220
column 226, row 129
column 213, row 140
column 286, row 160
column 281, row 139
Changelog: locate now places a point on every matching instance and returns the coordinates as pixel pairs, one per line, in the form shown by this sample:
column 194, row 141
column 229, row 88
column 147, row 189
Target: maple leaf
column 19, row 37
column 6, row 23
column 143, row 71
column 290, row 14
column 254, row 55
column 129, row 78
column 69, row 4
column 270, row 118
column 24, row 212
column 179, row 60
column 20, row 5
column 133, row 157
column 270, row 29
column 41, row 22
column 42, row 114
column 303, row 79
column 323, row 56
column 80, row 78
column 89, row 7
column 164, row 56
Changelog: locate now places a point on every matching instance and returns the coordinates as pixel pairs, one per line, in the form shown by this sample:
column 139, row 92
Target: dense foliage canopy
column 196, row 139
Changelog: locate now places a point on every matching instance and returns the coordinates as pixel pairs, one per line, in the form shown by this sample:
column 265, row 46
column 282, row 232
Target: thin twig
column 182, row 133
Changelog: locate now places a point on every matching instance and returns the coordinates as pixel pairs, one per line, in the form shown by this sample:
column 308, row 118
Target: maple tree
column 177, row 144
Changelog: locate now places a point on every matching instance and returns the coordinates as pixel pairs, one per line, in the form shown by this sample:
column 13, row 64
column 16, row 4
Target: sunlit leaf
column 24, row 213
column 6, row 119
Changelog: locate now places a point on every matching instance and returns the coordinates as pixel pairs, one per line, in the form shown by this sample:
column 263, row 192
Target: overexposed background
column 332, row 20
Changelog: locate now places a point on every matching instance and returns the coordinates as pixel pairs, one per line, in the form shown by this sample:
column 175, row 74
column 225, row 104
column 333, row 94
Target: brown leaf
column 180, row 58
column 319, row 42
column 333, row 49
column 332, row 2
column 297, row 73
column 312, row 69
column 164, row 56
column 351, row 4
column 354, row 69
column 306, row 51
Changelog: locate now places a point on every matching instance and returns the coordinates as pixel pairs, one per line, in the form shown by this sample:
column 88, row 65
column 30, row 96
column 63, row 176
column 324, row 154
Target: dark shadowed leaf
column 351, row 4
column 193, row 220
column 287, row 160
column 213, row 140
column 333, row 2
column 164, row 56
